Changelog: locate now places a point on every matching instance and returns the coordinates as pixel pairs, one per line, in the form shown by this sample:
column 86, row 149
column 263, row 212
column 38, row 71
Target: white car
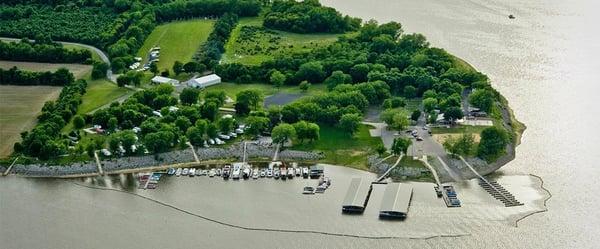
column 239, row 131
column 211, row 141
column 232, row 134
column 225, row 137
column 219, row 141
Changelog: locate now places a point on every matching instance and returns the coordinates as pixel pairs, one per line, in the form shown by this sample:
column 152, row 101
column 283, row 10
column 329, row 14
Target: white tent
column 204, row 81
column 164, row 80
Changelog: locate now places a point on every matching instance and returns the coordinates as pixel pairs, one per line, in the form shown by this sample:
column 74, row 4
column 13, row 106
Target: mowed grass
column 243, row 51
column 341, row 149
column 232, row 89
column 100, row 93
column 78, row 70
column 19, row 108
column 178, row 41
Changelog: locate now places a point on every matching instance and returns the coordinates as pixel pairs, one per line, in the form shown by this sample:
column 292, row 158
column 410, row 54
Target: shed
column 396, row 200
column 164, row 80
column 204, row 81
column 357, row 196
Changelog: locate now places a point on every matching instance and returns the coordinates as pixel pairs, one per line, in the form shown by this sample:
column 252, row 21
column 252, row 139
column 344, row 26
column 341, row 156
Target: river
column 545, row 62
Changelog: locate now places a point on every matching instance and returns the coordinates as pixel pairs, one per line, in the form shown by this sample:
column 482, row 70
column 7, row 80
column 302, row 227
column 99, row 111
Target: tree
column 99, row 70
column 337, row 78
column 183, row 123
column 256, row 125
column 492, row 144
column 400, row 145
column 211, row 130
column 415, row 115
column 209, row 110
column 247, row 100
column 153, row 68
column 218, row 97
column 482, row 99
column 349, row 123
column 112, row 124
column 410, row 92
column 429, row 104
column 277, row 79
column 177, row 67
column 78, row 122
column 453, row 113
column 189, row 96
column 195, row 135
column 304, row 85
column 226, row 124
column 395, row 119
column 311, row 72
column 282, row 133
column 158, row 141
column 461, row 145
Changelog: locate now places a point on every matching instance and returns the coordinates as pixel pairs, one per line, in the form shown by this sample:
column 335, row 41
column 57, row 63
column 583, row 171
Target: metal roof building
column 204, row 81
column 396, row 200
column 164, row 80
column 357, row 196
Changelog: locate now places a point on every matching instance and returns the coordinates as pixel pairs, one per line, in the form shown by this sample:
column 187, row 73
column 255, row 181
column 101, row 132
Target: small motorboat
column 321, row 188
column 226, row 171
column 283, row 172
column 308, row 191
column 305, row 172
column 171, row 171
column 198, row 172
column 218, row 172
column 263, row 173
column 276, row 174
column 255, row 174
column 298, row 172
column 192, row 172
column 290, row 173
column 511, row 16
column 185, row 172
column 246, row 173
column 178, row 171
column 269, row 173
column 212, row 173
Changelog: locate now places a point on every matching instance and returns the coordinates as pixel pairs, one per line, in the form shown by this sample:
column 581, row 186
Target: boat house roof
column 396, row 199
column 357, row 195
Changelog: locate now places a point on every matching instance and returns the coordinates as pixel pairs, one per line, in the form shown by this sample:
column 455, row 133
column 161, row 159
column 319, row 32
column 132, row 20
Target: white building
column 164, row 80
column 204, row 81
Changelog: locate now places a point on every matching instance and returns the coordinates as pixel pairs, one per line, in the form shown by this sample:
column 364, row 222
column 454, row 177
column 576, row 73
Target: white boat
column 237, row 171
column 290, row 173
column 269, row 173
column 275, row 164
column 178, row 171
column 305, row 172
column 255, row 174
column 283, row 173
column 185, row 172
column 218, row 172
column 212, row 173
column 298, row 171
column 263, row 173
column 246, row 173
column 192, row 172
column 226, row 172
column 198, row 172
column 204, row 172
column 276, row 174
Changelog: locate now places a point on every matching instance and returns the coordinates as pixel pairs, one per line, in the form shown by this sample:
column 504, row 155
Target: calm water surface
column 545, row 62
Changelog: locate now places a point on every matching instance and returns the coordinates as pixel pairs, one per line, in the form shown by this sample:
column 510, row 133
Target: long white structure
column 204, row 81
column 164, row 80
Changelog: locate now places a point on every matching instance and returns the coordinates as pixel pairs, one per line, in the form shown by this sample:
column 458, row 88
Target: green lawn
column 232, row 89
column 267, row 43
column 178, row 41
column 341, row 149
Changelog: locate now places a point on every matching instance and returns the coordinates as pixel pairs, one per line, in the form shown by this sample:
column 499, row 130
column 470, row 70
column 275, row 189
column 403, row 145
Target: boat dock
column 5, row 173
column 387, row 172
column 396, row 200
column 357, row 196
column 98, row 164
column 495, row 189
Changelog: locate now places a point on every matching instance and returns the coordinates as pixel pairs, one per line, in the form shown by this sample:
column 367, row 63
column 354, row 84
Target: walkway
column 494, row 188
column 433, row 171
column 10, row 167
column 451, row 172
column 193, row 152
column 390, row 169
column 98, row 164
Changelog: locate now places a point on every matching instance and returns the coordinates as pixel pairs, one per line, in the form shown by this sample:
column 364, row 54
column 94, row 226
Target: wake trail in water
column 545, row 201
column 269, row 229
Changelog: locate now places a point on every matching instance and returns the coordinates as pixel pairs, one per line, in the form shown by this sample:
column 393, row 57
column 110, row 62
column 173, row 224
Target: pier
column 98, row 164
column 494, row 188
column 193, row 152
column 10, row 167
column 387, row 172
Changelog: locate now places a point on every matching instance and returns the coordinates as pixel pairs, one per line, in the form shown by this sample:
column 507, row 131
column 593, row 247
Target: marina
column 396, row 201
column 357, row 196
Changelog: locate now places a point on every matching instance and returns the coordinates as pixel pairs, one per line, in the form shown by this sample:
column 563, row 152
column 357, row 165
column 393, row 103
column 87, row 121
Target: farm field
column 252, row 44
column 19, row 107
column 178, row 41
column 78, row 70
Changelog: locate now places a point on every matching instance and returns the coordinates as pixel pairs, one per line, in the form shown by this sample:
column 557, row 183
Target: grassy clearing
column 78, row 70
column 232, row 89
column 341, row 149
column 19, row 107
column 178, row 41
column 256, row 44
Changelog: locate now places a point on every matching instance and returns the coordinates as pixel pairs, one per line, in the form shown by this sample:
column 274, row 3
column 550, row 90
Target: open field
column 78, row 70
column 255, row 44
column 232, row 89
column 342, row 149
column 19, row 107
column 178, row 41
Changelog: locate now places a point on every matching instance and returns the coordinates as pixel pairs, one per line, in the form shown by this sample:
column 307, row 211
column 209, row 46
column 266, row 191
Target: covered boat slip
column 396, row 200
column 357, row 196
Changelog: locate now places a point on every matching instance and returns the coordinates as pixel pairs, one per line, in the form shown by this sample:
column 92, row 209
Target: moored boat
column 178, row 171
column 192, row 172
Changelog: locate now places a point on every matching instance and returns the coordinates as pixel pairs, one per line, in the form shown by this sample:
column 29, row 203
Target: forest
column 40, row 51
column 14, row 76
column 308, row 17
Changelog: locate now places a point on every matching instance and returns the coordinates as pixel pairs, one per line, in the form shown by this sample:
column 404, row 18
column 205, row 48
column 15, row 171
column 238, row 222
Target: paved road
column 100, row 53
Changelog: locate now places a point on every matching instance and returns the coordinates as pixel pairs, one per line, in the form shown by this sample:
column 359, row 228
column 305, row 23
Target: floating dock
column 396, row 200
column 357, row 196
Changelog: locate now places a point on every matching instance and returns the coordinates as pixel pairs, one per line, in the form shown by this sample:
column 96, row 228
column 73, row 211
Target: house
column 164, row 80
column 204, row 81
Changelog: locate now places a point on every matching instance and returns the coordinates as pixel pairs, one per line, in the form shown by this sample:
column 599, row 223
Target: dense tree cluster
column 210, row 52
column 45, row 140
column 42, row 52
column 179, row 9
column 308, row 16
column 61, row 23
column 493, row 143
column 127, row 36
column 14, row 76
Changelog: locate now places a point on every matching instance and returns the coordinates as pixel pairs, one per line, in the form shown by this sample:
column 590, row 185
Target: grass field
column 19, row 107
column 178, row 41
column 232, row 89
column 78, row 70
column 341, row 149
column 255, row 47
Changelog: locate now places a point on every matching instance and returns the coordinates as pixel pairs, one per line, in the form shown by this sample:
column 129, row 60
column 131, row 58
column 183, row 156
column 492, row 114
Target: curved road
column 100, row 53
